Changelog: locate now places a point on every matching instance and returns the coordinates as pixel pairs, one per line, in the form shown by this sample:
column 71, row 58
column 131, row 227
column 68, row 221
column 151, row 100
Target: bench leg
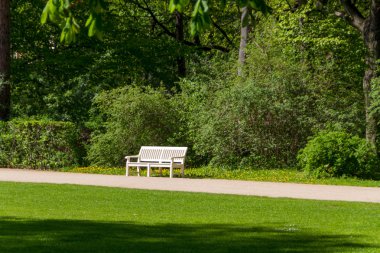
column 127, row 169
column 182, row 171
column 171, row 171
column 148, row 171
column 138, row 170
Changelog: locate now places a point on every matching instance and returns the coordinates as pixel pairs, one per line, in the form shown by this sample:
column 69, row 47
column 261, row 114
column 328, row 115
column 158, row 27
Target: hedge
column 38, row 144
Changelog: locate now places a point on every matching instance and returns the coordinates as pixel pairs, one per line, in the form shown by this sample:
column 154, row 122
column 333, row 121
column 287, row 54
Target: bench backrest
column 162, row 154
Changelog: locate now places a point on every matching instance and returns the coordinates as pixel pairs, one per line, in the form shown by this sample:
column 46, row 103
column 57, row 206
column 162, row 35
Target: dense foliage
column 331, row 154
column 149, row 82
column 126, row 119
column 263, row 118
column 41, row 144
column 254, row 121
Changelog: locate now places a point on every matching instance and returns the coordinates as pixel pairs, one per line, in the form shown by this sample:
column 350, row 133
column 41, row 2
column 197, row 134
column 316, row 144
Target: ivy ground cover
column 69, row 218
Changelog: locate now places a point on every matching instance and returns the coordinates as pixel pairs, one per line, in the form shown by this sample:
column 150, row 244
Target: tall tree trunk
column 369, row 27
column 371, row 122
column 244, row 32
column 179, row 34
column 371, row 35
column 4, row 59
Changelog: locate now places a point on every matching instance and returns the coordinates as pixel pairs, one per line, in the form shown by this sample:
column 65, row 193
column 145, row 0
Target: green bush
column 257, row 120
column 125, row 119
column 336, row 154
column 38, row 144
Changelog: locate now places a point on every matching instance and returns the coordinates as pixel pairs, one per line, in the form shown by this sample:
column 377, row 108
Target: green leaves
column 200, row 17
column 337, row 154
column 60, row 12
column 38, row 144
column 70, row 31
column 178, row 5
column 94, row 25
column 133, row 117
column 53, row 11
column 94, row 22
column 257, row 5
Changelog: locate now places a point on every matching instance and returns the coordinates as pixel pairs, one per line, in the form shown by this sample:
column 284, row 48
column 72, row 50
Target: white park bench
column 159, row 157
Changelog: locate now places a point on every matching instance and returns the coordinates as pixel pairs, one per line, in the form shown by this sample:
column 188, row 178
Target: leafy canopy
column 61, row 12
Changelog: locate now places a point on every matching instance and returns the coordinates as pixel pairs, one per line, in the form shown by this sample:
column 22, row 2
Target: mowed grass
column 69, row 218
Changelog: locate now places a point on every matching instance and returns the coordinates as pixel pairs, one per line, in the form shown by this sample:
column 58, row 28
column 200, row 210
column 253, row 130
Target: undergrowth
column 271, row 175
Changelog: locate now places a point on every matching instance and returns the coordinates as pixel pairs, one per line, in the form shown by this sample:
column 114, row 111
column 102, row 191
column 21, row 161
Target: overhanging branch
column 172, row 34
column 222, row 32
column 352, row 15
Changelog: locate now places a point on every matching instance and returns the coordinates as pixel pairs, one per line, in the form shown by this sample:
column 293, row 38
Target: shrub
column 336, row 154
column 286, row 93
column 253, row 121
column 38, row 144
column 125, row 119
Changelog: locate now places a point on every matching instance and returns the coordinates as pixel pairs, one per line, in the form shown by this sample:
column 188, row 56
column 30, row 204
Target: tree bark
column 371, row 36
column 371, row 122
column 179, row 34
column 244, row 32
column 4, row 59
column 369, row 27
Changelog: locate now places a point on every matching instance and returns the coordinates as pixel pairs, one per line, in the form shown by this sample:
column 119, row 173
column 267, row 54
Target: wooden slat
column 161, row 154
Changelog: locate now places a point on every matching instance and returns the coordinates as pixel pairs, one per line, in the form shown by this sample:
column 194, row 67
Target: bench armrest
column 177, row 157
column 130, row 157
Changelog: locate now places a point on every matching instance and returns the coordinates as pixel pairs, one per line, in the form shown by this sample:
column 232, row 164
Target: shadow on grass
column 20, row 235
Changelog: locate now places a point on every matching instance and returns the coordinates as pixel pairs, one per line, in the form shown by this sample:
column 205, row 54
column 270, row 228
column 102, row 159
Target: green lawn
column 68, row 218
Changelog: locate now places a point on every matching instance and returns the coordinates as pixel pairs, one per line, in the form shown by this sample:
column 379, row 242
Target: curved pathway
column 267, row 189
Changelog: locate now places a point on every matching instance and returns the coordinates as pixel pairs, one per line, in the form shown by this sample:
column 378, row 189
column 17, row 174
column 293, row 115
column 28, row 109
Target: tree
column 179, row 35
column 334, row 55
column 59, row 81
column 244, row 31
column 4, row 59
column 247, row 22
column 365, row 18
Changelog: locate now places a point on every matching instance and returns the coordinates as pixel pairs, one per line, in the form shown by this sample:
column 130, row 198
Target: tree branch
column 173, row 35
column 222, row 32
column 354, row 18
column 163, row 27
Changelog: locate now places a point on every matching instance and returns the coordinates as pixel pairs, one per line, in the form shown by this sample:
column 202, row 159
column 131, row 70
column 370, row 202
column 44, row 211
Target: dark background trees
column 303, row 73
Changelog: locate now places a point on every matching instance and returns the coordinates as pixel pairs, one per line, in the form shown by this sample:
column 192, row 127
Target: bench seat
column 159, row 157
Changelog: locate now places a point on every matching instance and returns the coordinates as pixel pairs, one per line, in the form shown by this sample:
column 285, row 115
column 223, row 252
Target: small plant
column 338, row 154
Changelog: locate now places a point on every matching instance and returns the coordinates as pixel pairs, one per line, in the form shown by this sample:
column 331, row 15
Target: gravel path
column 267, row 189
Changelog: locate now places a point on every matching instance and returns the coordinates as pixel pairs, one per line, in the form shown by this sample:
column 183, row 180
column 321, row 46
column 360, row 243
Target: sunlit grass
column 68, row 218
